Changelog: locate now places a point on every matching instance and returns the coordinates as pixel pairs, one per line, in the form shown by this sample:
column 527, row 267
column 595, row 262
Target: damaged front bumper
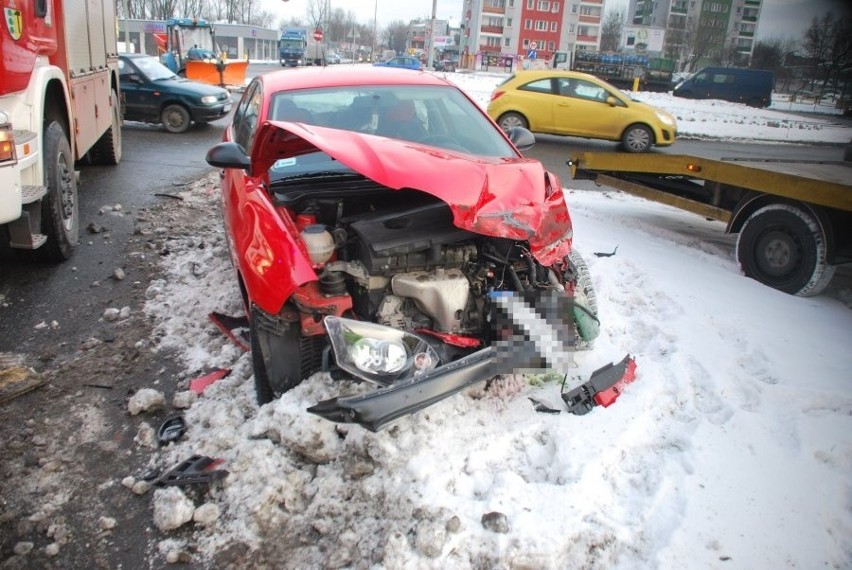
column 376, row 409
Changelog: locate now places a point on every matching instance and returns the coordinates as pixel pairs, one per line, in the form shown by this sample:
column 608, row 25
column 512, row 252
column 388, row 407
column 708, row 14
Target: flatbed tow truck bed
column 794, row 218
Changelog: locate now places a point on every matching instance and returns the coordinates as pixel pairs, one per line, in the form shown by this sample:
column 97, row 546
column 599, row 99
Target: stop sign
column 318, row 35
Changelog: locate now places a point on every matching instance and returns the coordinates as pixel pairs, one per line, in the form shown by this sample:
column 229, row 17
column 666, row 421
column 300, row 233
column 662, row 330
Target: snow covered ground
column 732, row 449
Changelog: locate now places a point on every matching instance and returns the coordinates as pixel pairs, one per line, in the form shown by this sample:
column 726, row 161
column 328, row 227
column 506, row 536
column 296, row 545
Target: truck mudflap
column 375, row 409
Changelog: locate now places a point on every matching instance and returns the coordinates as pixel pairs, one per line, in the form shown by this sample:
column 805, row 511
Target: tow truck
column 793, row 217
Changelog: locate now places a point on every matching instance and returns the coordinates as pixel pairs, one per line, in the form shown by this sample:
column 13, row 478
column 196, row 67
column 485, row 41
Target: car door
column 137, row 92
column 581, row 109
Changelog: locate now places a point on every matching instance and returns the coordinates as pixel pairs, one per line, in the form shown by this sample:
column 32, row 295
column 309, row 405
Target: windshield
column 152, row 69
column 439, row 116
column 292, row 44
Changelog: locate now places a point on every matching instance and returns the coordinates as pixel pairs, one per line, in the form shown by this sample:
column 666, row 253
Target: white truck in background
column 59, row 103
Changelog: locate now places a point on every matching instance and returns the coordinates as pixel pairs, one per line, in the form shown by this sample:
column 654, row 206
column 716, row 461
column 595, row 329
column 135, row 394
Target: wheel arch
column 752, row 202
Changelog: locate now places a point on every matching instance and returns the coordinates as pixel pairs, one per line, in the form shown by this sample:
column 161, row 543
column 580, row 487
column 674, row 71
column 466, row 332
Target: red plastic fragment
column 200, row 384
column 606, row 397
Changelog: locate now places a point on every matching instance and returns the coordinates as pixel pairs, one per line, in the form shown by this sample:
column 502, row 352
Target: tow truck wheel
column 783, row 246
column 59, row 210
column 175, row 118
column 281, row 356
column 637, row 138
column 107, row 150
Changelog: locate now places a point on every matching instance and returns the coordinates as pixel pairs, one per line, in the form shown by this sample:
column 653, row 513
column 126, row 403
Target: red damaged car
column 383, row 228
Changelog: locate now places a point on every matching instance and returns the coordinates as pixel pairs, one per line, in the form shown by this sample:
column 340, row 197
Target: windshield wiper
column 319, row 175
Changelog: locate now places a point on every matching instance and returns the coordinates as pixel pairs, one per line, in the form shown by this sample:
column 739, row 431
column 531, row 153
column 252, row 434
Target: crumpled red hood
column 499, row 197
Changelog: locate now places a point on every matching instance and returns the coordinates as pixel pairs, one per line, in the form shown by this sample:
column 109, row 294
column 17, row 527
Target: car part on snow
column 171, row 430
column 232, row 327
column 376, row 409
column 542, row 408
column 194, row 470
column 605, row 254
column 200, row 384
column 603, row 388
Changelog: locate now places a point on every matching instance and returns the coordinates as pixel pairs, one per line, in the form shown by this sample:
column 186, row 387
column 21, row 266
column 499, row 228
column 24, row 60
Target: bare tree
column 394, row 35
column 611, row 30
column 828, row 40
column 704, row 40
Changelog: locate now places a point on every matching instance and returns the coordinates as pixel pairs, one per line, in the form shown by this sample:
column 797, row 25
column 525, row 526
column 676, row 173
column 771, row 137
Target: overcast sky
column 780, row 18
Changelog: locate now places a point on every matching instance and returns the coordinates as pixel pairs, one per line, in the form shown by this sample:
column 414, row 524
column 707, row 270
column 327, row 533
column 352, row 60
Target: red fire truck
column 59, row 104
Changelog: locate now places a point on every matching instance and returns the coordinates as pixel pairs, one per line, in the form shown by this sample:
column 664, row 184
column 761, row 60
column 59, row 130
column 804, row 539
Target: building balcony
column 746, row 34
column 493, row 10
column 489, row 49
column 752, row 2
column 491, row 30
column 587, row 19
column 749, row 18
column 587, row 39
column 678, row 10
column 596, row 2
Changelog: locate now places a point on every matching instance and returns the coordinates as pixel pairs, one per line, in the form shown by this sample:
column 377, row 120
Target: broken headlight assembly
column 377, row 353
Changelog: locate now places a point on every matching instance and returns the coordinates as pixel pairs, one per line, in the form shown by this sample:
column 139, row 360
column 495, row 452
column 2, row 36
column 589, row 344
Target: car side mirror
column 228, row 155
column 134, row 78
column 611, row 101
column 522, row 138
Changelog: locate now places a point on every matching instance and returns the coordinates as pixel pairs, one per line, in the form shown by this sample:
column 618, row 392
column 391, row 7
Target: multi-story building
column 699, row 32
column 519, row 27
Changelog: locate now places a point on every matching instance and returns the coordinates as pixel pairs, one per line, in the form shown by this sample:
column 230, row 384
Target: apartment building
column 519, row 27
column 700, row 32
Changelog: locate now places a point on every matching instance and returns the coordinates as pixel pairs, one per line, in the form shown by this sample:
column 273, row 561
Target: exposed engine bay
column 407, row 266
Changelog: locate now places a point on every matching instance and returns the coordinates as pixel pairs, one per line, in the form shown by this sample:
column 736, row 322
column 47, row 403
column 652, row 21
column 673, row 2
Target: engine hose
column 515, row 279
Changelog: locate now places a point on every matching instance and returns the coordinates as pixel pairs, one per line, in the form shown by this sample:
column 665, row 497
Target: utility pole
column 431, row 43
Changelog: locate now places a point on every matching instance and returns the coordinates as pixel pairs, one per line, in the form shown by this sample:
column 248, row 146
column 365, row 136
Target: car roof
column 528, row 74
column 318, row 77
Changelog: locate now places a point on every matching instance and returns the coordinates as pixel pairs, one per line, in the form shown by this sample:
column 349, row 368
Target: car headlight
column 376, row 353
column 209, row 99
column 666, row 119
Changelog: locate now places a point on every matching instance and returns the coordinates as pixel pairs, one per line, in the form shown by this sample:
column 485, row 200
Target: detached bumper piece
column 376, row 409
column 603, row 388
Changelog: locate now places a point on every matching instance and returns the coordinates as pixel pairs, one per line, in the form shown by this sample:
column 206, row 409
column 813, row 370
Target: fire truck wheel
column 60, row 216
column 107, row 150
column 175, row 118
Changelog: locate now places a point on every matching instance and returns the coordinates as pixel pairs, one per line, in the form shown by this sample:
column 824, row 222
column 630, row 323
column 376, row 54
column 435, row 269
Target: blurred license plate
column 227, row 107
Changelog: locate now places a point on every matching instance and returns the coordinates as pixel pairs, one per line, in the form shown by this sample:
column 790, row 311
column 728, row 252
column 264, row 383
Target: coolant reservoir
column 320, row 243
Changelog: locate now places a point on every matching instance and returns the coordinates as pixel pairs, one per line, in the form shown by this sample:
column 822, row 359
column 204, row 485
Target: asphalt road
column 156, row 162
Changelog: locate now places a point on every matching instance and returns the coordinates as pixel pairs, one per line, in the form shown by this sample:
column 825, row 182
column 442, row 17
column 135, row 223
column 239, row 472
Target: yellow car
column 560, row 102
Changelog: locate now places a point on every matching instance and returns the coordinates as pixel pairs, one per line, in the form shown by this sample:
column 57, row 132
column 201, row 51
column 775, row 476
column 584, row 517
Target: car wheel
column 511, row 119
column 783, row 246
column 637, row 138
column 108, row 148
column 175, row 118
column 59, row 208
column 281, row 356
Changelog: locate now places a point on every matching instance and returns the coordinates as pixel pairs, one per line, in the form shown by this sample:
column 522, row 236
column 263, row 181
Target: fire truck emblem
column 14, row 22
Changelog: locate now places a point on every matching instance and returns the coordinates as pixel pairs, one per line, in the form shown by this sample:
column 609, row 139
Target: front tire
column 783, row 246
column 586, row 315
column 175, row 118
column 60, row 215
column 637, row 138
